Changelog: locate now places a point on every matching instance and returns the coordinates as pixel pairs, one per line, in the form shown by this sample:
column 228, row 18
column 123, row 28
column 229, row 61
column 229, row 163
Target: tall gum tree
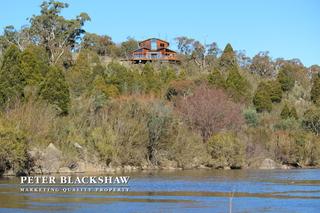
column 55, row 33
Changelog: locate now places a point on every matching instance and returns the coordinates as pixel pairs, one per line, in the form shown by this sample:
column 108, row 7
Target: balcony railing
column 152, row 56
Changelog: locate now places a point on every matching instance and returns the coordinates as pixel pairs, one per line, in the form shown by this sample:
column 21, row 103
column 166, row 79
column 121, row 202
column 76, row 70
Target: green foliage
column 228, row 58
column 12, row 79
column 285, row 113
column 261, row 99
column 288, row 113
column 289, row 123
column 55, row 33
column 150, row 79
column 179, row 88
column 109, row 90
column 126, row 80
column 167, row 74
column 315, row 91
column 81, row 76
column 55, row 90
column 128, row 46
column 34, row 64
column 237, row 85
column 13, row 149
column 216, row 79
column 251, row 117
column 226, row 150
column 311, row 120
column 275, row 91
column 102, row 45
column 286, row 79
column 293, row 113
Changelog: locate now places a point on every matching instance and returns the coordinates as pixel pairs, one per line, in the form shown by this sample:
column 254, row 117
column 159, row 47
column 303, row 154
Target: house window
column 154, row 44
column 162, row 45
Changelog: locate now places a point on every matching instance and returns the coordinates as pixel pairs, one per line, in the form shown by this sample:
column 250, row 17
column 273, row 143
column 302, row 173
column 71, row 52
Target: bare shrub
column 210, row 111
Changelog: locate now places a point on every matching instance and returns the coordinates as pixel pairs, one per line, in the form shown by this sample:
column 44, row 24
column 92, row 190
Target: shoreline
column 132, row 169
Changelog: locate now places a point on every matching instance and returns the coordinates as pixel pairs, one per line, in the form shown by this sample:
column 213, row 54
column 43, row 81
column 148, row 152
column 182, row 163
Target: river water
column 182, row 191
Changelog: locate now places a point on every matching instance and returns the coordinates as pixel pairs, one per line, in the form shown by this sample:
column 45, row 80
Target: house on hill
column 153, row 49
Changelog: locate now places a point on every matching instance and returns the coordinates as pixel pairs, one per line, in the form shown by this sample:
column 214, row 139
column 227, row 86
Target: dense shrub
column 275, row 91
column 295, row 148
column 286, row 79
column 311, row 120
column 13, row 149
column 180, row 88
column 226, row 150
column 237, row 85
column 12, row 79
column 55, row 90
column 251, row 117
column 216, row 79
column 34, row 64
column 86, row 68
column 315, row 91
column 261, row 99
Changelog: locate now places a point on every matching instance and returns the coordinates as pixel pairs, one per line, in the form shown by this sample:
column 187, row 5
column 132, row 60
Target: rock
column 51, row 159
column 268, row 164
column 77, row 145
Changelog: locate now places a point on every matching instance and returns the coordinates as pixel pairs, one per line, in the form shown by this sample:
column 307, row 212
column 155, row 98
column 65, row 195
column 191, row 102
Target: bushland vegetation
column 218, row 108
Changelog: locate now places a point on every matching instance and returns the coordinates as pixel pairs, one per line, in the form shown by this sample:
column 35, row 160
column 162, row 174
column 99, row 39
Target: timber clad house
column 153, row 49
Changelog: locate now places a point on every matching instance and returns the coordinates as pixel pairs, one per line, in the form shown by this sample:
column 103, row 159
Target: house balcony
column 153, row 56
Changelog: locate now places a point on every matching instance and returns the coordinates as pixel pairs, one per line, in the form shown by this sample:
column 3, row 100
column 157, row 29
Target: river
column 225, row 191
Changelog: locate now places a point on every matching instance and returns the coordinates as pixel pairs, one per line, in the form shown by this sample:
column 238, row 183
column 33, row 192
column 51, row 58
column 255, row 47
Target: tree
column 55, row 33
column 262, row 65
column 97, row 43
column 315, row 91
column 210, row 111
column 293, row 113
column 237, row 85
column 12, row 79
column 84, row 71
column 261, row 99
column 228, row 58
column 196, row 51
column 286, row 79
column 128, row 46
column 311, row 120
column 11, row 36
column 275, row 91
column 55, row 90
column 185, row 45
column 34, row 64
column 216, row 79
column 285, row 113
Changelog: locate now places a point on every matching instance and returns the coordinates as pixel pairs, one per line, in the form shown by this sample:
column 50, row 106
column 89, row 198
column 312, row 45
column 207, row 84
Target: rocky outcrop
column 46, row 161
column 268, row 164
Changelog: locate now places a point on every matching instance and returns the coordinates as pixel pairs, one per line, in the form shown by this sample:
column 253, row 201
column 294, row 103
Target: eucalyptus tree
column 54, row 32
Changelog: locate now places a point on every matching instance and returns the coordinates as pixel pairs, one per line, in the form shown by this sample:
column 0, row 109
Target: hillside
column 77, row 106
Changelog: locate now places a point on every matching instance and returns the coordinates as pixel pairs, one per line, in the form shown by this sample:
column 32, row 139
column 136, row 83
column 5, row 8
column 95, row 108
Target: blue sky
column 286, row 28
